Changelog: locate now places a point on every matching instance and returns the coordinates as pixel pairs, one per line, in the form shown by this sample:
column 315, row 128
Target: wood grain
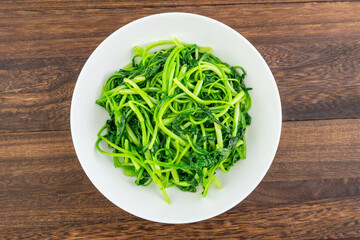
column 38, row 96
column 277, row 36
column 59, row 24
column 318, row 149
column 322, row 219
column 39, row 66
column 314, row 181
column 43, row 62
column 312, row 190
column 39, row 93
column 85, row 4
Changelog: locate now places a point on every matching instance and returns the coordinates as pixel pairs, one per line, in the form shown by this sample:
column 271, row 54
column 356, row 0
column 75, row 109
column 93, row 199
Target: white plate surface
column 262, row 136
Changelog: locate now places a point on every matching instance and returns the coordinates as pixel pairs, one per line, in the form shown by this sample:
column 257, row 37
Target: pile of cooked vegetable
column 176, row 116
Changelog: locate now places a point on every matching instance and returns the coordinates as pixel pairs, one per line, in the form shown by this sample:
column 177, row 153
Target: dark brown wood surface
column 312, row 190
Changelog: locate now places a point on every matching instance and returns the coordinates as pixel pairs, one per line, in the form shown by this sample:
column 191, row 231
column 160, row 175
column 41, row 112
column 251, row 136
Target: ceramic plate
column 262, row 136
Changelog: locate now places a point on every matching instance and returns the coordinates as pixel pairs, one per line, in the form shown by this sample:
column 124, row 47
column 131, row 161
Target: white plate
column 262, row 136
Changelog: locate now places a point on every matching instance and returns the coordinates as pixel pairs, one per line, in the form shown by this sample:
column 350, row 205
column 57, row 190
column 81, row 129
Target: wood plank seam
column 102, row 37
column 67, row 130
column 183, row 5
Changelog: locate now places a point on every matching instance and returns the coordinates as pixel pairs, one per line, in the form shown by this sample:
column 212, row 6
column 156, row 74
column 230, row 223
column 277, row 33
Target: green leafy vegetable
column 176, row 116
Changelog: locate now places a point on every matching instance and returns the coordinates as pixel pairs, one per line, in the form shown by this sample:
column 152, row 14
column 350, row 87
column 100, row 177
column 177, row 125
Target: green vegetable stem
column 176, row 115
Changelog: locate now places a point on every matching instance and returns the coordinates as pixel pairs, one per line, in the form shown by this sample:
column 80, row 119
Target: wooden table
column 312, row 189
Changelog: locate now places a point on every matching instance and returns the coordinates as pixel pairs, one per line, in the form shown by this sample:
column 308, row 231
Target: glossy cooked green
column 176, row 115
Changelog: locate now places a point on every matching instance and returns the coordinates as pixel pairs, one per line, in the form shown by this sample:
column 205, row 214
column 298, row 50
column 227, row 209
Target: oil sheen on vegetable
column 176, row 115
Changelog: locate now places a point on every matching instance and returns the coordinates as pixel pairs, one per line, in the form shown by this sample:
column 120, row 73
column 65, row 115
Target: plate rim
column 267, row 68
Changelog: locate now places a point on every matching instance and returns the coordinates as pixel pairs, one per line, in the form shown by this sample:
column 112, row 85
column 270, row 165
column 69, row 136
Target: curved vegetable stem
column 177, row 113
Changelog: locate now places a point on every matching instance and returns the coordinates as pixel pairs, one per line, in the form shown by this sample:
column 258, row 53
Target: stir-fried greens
column 176, row 115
